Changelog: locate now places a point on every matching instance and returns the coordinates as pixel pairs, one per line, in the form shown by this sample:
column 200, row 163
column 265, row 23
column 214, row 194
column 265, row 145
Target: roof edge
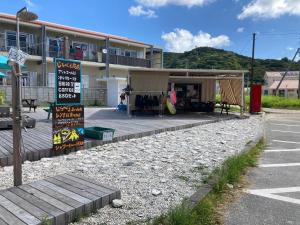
column 74, row 29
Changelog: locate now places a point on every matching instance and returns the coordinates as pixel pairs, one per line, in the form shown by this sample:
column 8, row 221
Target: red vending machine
column 255, row 98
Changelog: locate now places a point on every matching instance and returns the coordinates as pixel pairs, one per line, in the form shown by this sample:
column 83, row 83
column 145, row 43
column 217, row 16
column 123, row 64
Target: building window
column 55, row 47
column 81, row 50
column 26, row 41
column 116, row 51
column 281, row 93
column 131, row 53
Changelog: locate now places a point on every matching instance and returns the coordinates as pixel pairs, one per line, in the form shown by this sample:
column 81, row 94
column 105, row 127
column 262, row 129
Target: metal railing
column 31, row 49
column 127, row 61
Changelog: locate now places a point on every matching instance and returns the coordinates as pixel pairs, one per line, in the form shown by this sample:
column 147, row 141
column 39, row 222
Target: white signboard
column 77, row 87
column 107, row 136
column 17, row 56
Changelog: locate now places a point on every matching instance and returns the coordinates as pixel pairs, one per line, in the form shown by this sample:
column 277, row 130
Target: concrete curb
column 207, row 188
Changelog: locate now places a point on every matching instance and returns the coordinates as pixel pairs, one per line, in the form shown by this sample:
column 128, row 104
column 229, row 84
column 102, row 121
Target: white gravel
column 153, row 173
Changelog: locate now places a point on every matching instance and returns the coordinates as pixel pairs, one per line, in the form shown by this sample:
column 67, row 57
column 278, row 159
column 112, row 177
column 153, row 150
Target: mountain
column 212, row 58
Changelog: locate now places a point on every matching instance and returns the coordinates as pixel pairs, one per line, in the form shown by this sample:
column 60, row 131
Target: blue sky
column 180, row 25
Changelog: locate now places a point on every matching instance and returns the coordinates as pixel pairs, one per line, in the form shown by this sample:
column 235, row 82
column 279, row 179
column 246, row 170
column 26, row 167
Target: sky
column 181, row 25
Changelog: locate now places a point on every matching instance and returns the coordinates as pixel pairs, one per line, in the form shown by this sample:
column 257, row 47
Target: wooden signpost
column 68, row 113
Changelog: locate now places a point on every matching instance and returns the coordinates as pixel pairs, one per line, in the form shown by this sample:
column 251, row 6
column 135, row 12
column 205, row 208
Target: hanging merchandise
column 173, row 97
column 171, row 107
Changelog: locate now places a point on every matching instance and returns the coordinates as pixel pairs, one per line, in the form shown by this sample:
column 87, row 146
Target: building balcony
column 31, row 49
column 127, row 61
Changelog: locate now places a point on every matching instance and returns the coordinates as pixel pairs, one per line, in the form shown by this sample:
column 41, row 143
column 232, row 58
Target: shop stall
column 195, row 89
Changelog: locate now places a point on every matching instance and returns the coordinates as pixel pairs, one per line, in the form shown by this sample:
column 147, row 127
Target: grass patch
column 275, row 102
column 205, row 212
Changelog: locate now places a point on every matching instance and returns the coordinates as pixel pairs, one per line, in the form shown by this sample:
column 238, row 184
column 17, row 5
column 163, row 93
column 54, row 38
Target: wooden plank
column 45, row 206
column 2, row 222
column 68, row 210
column 97, row 200
column 105, row 187
column 18, row 212
column 80, row 186
column 75, row 208
column 9, row 218
column 106, row 198
column 35, row 211
column 89, row 183
column 87, row 204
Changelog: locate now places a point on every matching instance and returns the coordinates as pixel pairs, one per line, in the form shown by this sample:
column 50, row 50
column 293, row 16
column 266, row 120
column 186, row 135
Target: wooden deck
column 55, row 201
column 37, row 142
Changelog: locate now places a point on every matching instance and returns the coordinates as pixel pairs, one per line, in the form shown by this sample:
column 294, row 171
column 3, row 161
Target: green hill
column 212, row 58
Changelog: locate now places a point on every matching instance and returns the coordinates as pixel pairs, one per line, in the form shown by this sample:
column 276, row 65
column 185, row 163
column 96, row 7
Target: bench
column 31, row 103
column 6, row 121
column 223, row 106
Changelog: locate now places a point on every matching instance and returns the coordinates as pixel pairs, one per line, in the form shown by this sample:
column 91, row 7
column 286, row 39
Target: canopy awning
column 2, row 74
column 3, row 63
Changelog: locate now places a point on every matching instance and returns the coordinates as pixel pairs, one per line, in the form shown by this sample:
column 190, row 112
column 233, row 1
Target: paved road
column 273, row 197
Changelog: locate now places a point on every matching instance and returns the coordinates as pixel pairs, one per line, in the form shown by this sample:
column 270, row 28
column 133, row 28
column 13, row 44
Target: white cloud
column 181, row 40
column 140, row 11
column 161, row 3
column 240, row 29
column 270, row 9
column 30, row 3
column 290, row 48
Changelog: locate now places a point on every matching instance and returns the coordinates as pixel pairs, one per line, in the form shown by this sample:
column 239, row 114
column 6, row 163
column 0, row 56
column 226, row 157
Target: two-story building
column 105, row 59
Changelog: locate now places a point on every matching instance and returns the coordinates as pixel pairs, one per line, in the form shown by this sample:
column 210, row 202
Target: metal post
column 252, row 69
column 242, row 96
column 44, row 56
column 17, row 119
column 107, row 57
column 151, row 57
column 299, row 86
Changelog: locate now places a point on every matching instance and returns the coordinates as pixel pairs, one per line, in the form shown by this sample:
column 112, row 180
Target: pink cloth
column 173, row 97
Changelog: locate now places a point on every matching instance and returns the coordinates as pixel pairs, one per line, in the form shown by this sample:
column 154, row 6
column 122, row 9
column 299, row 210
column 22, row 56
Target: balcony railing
column 127, row 61
column 31, row 49
column 36, row 49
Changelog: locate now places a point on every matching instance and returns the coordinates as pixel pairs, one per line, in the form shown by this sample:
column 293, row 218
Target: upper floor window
column 26, row 41
column 122, row 52
column 80, row 50
column 131, row 53
column 55, row 47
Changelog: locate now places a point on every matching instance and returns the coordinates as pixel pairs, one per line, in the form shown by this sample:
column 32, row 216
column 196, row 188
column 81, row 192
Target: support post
column 242, row 96
column 299, row 86
column 107, row 46
column 252, row 69
column 44, row 59
column 17, row 119
column 128, row 97
column 67, row 48
column 151, row 57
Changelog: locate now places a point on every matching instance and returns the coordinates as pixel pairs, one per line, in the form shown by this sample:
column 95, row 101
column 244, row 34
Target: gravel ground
column 153, row 173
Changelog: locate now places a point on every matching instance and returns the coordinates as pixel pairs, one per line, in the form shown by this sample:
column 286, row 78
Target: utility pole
column 286, row 72
column 252, row 68
column 299, row 85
